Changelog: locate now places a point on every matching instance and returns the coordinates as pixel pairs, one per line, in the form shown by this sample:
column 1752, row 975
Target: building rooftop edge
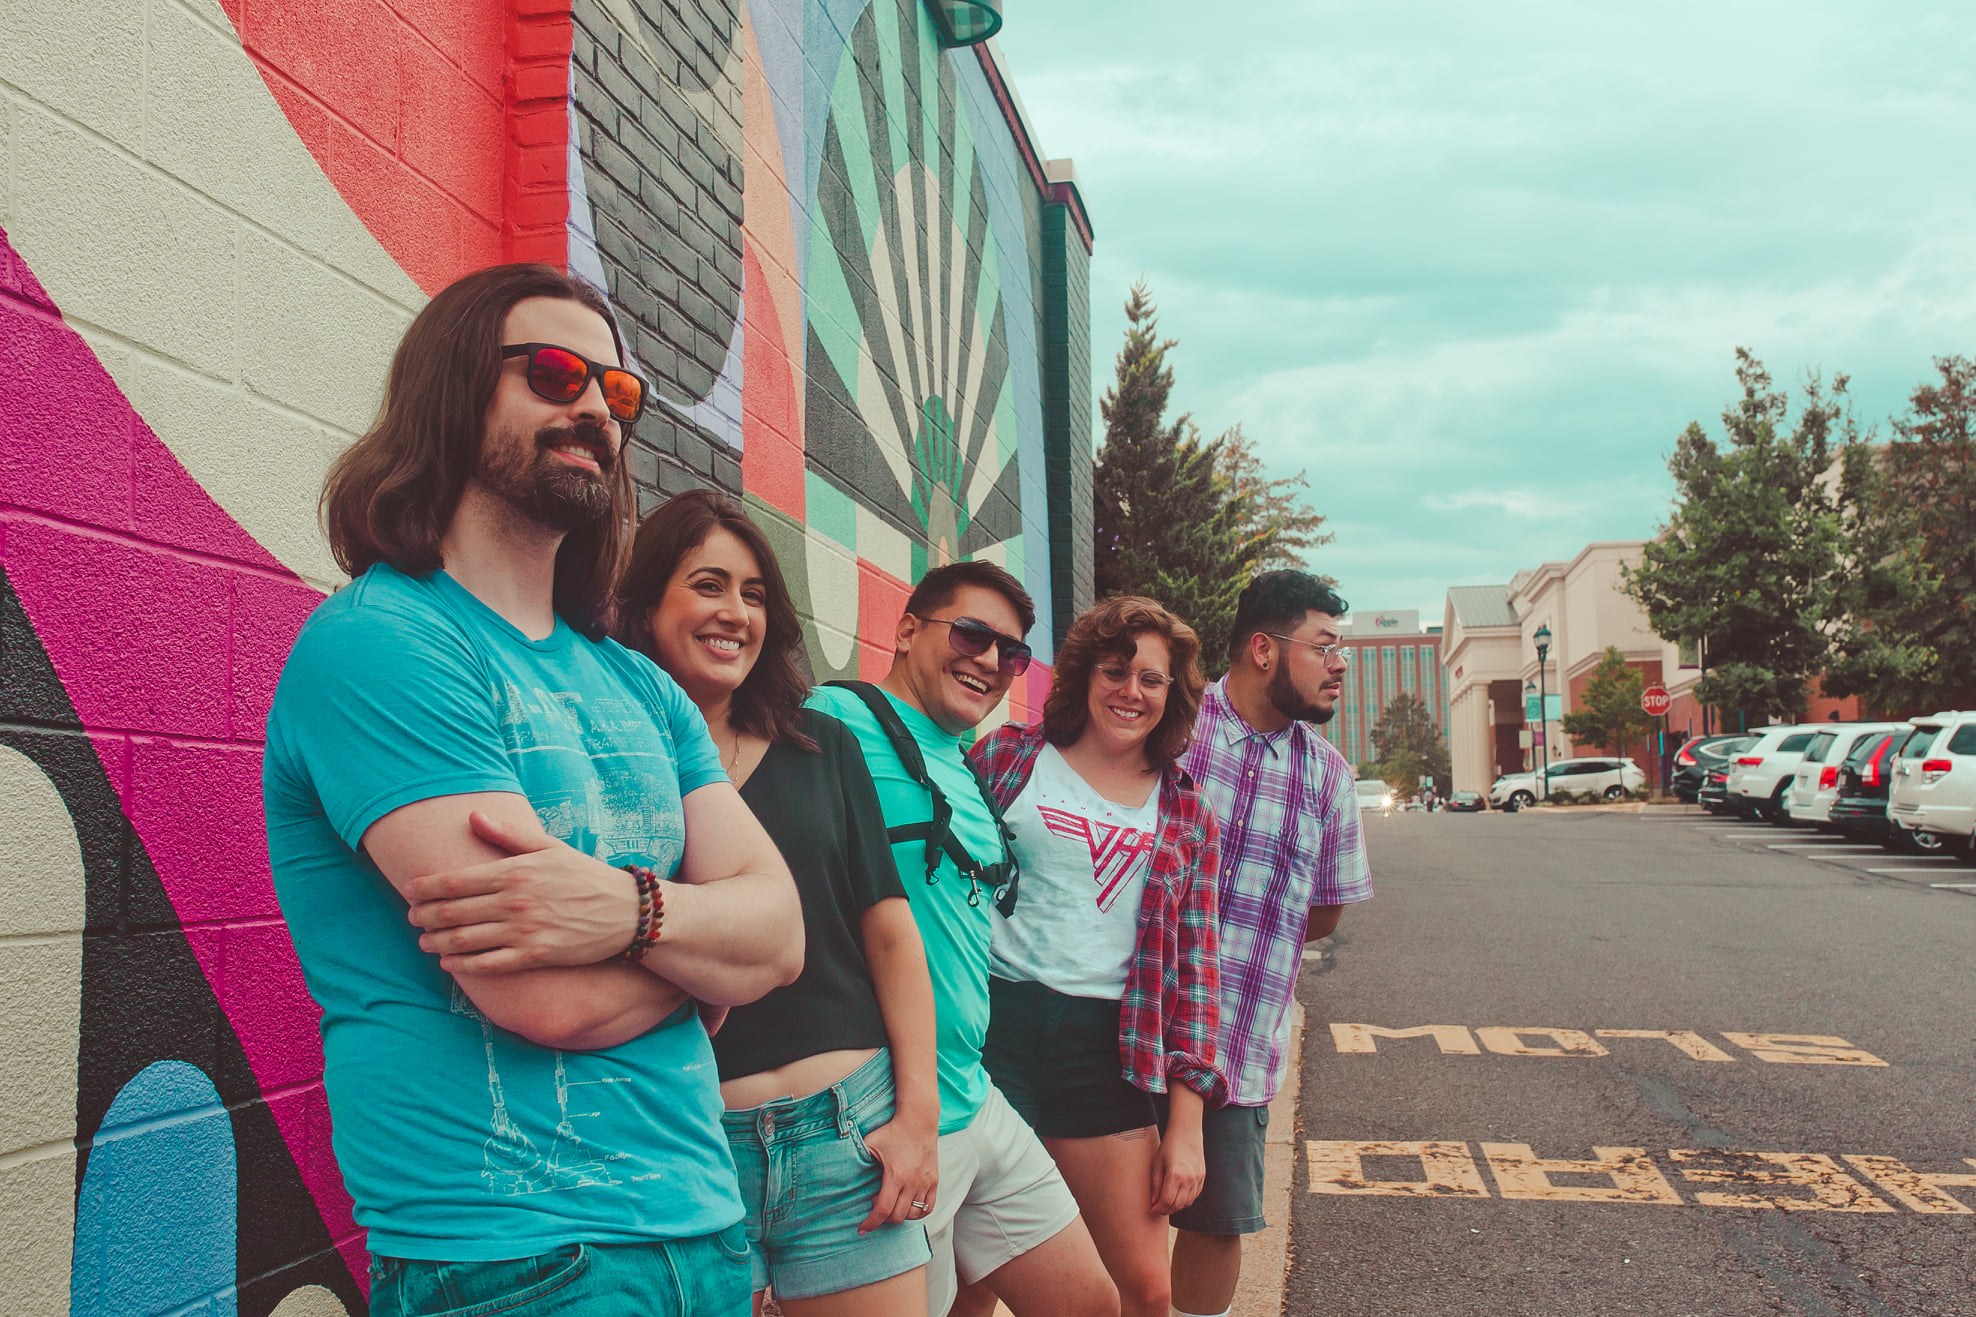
column 1055, row 179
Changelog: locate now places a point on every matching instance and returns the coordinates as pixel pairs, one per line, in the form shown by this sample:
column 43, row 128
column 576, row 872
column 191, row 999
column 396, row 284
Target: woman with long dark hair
column 833, row 1108
column 1106, row 989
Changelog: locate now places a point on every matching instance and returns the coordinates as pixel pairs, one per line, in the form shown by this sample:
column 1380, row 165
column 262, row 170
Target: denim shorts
column 702, row 1277
column 808, row 1181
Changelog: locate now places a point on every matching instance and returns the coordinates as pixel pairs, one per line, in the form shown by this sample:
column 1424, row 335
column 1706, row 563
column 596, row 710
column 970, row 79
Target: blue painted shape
column 154, row 1223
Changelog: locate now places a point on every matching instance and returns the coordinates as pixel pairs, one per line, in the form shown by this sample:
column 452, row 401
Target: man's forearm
column 731, row 941
column 578, row 1009
column 1322, row 921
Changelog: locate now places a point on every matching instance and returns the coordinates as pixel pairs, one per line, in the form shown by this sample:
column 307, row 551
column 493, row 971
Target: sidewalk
column 1266, row 1256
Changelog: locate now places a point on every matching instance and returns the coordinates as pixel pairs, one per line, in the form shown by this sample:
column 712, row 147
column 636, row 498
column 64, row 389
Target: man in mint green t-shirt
column 1003, row 1217
column 524, row 1100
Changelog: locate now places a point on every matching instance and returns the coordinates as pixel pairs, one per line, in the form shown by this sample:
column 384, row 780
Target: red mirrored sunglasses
column 558, row 375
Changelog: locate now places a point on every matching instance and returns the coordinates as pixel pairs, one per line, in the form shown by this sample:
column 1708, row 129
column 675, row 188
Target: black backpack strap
column 1011, row 871
column 933, row 830
column 937, row 832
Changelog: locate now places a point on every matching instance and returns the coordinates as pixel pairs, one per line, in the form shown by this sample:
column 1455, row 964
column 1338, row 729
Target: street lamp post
column 1543, row 639
column 1530, row 763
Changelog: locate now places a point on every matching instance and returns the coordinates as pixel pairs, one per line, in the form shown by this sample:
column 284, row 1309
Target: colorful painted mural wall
column 860, row 291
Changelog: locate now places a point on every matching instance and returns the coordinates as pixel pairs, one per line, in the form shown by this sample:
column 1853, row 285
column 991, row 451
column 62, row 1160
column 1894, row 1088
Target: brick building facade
column 1391, row 654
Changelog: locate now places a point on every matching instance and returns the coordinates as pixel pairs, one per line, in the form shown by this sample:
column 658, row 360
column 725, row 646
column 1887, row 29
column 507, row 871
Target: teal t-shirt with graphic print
column 954, row 932
column 458, row 1140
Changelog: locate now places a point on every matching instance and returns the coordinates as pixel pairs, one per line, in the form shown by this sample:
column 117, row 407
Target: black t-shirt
column 822, row 812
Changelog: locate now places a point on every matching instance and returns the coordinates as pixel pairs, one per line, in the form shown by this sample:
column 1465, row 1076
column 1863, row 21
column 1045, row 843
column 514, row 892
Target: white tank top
column 1084, row 866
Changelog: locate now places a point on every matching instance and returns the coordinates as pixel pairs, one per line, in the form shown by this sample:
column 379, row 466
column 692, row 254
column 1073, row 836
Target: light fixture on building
column 966, row 22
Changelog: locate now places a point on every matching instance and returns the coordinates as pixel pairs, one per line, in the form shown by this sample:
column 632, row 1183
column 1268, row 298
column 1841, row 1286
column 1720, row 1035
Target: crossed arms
column 528, row 926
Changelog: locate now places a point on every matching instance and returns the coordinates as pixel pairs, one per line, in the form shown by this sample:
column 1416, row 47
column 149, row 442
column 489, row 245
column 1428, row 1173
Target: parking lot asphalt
column 1649, row 1063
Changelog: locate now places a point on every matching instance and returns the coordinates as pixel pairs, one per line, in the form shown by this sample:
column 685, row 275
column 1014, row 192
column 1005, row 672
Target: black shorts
column 1056, row 1060
column 1232, row 1140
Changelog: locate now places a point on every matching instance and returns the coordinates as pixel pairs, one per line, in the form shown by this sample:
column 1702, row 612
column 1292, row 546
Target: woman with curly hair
column 1106, row 990
column 833, row 1107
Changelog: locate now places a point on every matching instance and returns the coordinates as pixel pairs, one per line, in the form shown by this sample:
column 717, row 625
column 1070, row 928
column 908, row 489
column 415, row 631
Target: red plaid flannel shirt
column 1171, row 1012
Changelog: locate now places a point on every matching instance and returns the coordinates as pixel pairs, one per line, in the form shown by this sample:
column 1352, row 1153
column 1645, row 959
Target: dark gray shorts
column 1231, row 1198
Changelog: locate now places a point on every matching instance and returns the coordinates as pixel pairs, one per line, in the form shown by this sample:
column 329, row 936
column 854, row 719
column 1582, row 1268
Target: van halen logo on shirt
column 1115, row 850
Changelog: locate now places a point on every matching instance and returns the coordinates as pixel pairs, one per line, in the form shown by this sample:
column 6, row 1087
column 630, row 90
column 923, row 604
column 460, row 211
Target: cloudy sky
column 1474, row 267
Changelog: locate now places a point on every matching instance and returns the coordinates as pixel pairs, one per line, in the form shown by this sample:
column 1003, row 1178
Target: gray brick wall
column 1067, row 411
column 658, row 124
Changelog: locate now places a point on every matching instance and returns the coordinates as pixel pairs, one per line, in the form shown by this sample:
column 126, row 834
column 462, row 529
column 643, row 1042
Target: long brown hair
column 392, row 494
column 1111, row 629
column 769, row 701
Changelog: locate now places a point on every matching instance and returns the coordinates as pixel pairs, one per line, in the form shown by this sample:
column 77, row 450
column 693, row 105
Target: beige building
column 1489, row 656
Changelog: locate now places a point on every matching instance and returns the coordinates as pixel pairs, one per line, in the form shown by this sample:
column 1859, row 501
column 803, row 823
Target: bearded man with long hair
column 505, row 847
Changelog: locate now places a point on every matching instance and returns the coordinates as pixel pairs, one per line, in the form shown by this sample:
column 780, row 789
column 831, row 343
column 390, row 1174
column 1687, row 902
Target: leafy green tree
column 1907, row 639
column 1750, row 558
column 1407, row 735
column 1167, row 525
column 1402, row 771
column 1609, row 715
column 1279, row 517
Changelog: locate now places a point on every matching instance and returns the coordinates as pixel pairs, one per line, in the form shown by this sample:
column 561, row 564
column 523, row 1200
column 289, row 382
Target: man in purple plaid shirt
column 1292, row 859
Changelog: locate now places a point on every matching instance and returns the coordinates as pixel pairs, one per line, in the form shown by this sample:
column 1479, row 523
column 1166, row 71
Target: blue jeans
column 808, row 1181
column 702, row 1277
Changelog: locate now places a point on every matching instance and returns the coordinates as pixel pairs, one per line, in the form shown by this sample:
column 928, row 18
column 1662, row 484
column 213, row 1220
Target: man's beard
column 543, row 487
column 1289, row 702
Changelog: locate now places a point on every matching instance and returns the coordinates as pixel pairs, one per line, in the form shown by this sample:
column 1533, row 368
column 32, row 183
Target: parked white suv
column 1934, row 780
column 1816, row 783
column 1611, row 778
column 1759, row 775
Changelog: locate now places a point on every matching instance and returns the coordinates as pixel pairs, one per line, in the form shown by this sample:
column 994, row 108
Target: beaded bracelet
column 651, row 912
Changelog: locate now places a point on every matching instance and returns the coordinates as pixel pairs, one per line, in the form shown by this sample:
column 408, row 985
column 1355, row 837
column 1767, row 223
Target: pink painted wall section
column 167, row 625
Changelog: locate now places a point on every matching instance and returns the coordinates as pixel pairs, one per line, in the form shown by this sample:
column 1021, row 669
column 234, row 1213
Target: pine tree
column 1277, row 507
column 1167, row 525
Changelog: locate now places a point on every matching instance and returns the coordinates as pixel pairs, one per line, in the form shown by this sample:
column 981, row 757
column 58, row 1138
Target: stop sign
column 1655, row 701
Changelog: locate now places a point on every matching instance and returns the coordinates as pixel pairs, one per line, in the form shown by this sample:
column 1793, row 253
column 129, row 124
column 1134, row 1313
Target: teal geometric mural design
column 909, row 409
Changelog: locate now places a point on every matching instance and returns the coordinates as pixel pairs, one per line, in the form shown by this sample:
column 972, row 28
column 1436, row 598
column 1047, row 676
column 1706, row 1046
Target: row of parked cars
column 1909, row 785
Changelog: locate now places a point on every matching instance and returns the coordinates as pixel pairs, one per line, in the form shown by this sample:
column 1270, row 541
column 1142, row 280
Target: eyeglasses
column 1150, row 679
column 971, row 639
column 559, row 375
column 1326, row 652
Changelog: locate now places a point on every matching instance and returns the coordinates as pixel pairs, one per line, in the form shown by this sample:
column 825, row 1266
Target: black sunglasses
column 558, row 375
column 972, row 638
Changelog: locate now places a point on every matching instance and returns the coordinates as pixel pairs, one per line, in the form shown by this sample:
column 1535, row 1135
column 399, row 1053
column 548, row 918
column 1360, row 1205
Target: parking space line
column 1907, row 869
column 1820, row 846
column 1960, row 887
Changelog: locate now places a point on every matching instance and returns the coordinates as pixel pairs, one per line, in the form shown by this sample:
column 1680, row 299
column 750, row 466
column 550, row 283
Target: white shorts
column 1000, row 1196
